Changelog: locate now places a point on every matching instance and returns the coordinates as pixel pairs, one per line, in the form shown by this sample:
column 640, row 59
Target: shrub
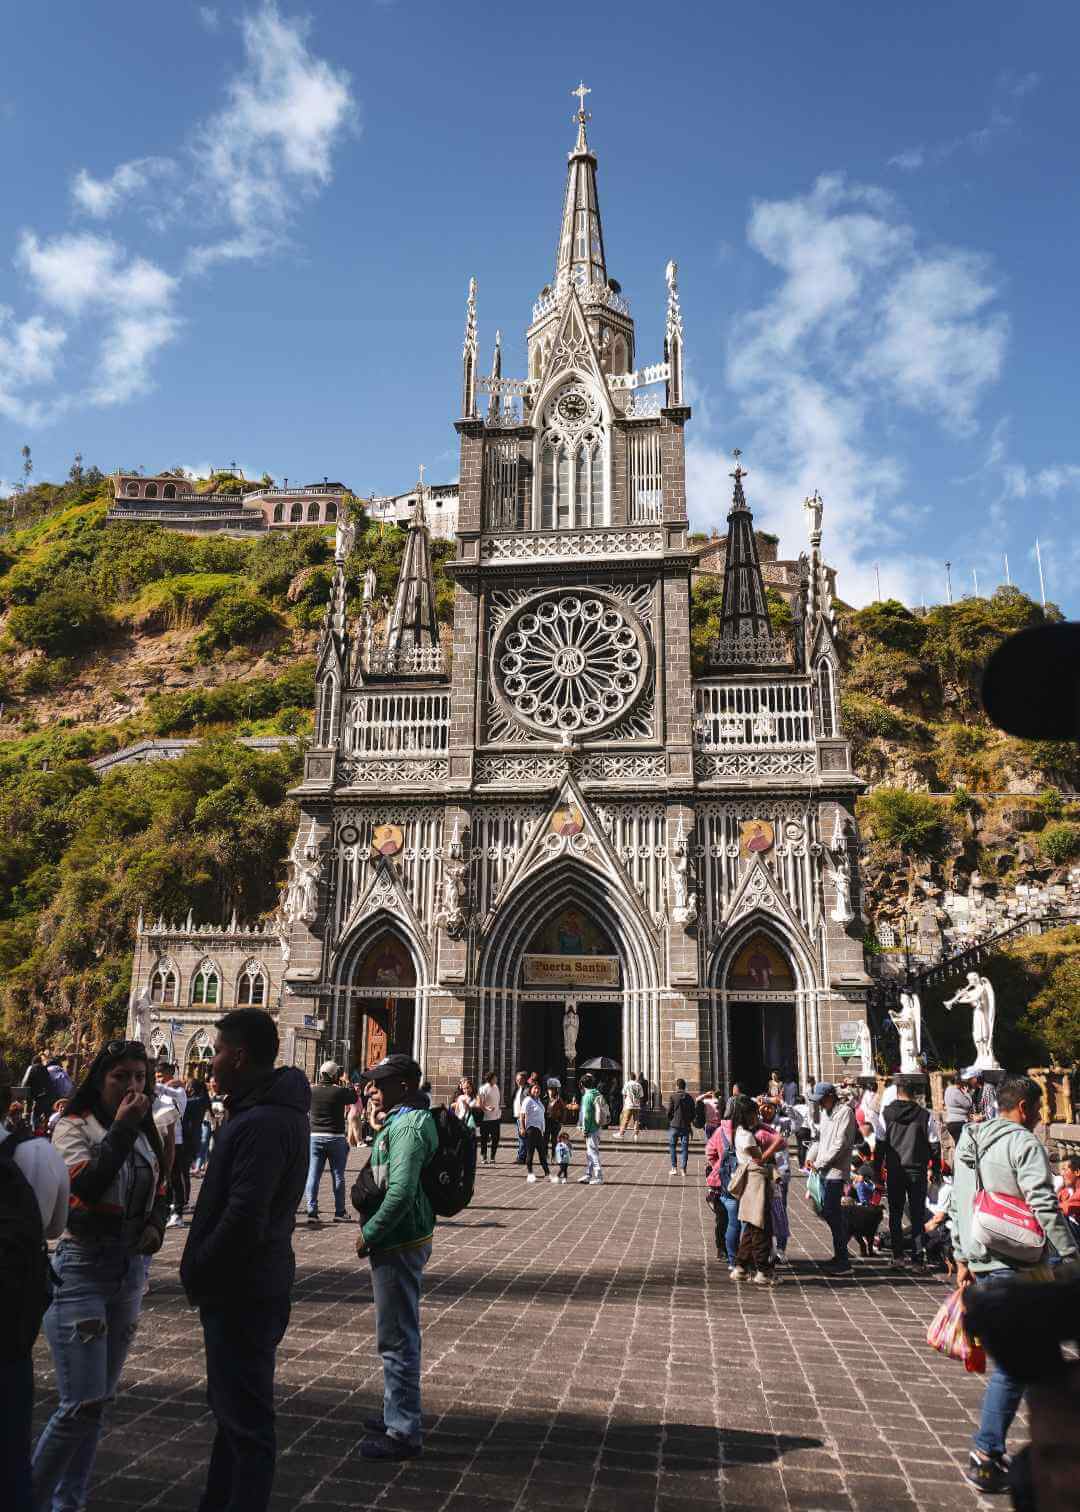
column 891, row 625
column 1060, row 842
column 237, row 620
column 62, row 622
column 913, row 823
column 868, row 718
column 1054, row 1013
column 1051, row 803
column 882, row 672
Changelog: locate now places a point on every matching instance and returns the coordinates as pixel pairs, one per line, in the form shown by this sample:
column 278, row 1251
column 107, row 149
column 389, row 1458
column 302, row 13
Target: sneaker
column 617, row 1134
column 835, row 1268
column 761, row 1278
column 175, row 1221
column 781, row 1257
column 383, row 1447
column 737, row 1273
column 596, row 1181
column 583, row 1179
column 530, row 1177
column 562, row 1180
column 987, row 1475
column 672, row 1171
column 342, row 1218
column 554, row 1180
column 682, row 1170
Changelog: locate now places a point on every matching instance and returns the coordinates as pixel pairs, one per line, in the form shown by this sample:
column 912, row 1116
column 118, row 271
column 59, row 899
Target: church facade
column 561, row 843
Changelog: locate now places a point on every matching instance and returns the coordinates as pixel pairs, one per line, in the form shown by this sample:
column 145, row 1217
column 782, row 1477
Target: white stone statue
column 300, row 903
column 140, row 1017
column 840, row 877
column 370, row 581
column 909, row 1027
column 866, row 1049
column 570, row 1031
column 344, row 538
column 979, row 995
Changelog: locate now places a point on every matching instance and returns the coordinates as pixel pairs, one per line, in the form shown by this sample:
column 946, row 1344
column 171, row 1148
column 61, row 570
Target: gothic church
column 563, row 844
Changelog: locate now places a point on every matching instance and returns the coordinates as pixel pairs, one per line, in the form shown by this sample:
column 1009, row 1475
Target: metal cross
column 581, row 91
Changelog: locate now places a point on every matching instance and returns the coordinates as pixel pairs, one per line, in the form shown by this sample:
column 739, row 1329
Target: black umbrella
column 600, row 1063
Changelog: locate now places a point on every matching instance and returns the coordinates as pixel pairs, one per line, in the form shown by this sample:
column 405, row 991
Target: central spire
column 581, row 240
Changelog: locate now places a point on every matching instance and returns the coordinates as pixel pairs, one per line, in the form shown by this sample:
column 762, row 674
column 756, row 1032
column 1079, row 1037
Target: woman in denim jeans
column 118, row 1206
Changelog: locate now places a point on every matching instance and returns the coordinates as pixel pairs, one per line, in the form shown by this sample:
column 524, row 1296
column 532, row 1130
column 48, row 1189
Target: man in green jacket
column 590, row 1127
column 397, row 1241
column 1012, row 1162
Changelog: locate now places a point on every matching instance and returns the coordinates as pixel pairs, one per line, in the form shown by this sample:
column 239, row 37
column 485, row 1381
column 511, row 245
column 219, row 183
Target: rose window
column 570, row 662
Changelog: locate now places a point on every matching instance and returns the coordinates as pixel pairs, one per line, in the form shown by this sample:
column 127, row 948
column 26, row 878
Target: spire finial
column 468, row 354
column 739, row 500
column 581, row 117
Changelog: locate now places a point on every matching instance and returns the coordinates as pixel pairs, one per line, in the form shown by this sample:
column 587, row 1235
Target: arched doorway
column 568, row 968
column 762, row 1028
column 383, row 1024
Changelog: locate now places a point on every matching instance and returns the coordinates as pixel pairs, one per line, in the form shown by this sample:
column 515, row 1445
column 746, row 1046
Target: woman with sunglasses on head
column 118, row 1208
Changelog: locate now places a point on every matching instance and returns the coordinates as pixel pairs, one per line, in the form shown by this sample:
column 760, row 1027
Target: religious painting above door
column 570, row 933
column 756, row 838
column 387, row 839
column 567, row 821
column 760, row 966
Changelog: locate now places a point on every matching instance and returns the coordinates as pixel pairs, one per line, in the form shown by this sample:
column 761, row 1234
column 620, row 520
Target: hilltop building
column 440, row 507
column 166, row 499
column 566, row 844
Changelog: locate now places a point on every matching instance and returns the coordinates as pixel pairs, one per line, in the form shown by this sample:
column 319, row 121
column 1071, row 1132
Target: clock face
column 572, row 408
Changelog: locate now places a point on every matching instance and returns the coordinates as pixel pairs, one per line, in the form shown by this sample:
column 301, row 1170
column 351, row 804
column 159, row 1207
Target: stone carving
column 840, row 878
column 391, row 773
column 451, row 913
column 979, row 995
column 866, row 1049
column 571, row 544
column 908, row 1024
column 300, row 900
column 344, row 538
column 569, row 663
column 684, row 906
column 754, row 764
column 570, row 1031
column 140, row 1017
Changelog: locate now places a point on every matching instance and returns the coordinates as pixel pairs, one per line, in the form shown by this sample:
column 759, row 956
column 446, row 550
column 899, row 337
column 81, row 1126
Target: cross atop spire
column 582, row 116
column 739, row 498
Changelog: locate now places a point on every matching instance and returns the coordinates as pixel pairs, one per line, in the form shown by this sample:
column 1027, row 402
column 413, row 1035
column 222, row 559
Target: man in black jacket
column 238, row 1263
column 907, row 1152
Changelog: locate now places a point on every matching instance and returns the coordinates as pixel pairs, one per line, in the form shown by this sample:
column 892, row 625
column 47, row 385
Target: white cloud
column 100, row 197
column 862, row 323
column 28, row 354
column 1019, row 85
column 910, row 159
column 249, row 165
column 274, row 141
column 83, row 273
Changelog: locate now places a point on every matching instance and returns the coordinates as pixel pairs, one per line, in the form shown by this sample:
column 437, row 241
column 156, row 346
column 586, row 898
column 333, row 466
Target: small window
column 204, row 988
column 251, row 987
column 313, row 511
column 163, row 985
column 331, row 511
column 279, row 513
column 151, row 491
column 132, row 490
column 169, row 491
column 296, row 514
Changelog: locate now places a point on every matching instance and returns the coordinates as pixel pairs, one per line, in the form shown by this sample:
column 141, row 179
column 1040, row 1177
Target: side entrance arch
column 378, row 983
column 763, row 1008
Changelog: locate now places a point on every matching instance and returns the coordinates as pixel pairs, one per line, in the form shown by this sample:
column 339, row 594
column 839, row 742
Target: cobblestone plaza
column 582, row 1350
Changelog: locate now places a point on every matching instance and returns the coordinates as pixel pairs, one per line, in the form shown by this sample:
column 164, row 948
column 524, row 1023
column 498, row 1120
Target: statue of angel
column 344, row 538
column 908, row 1024
column 301, row 900
column 451, row 915
column 140, row 1017
column 840, row 877
column 979, row 995
column 866, row 1049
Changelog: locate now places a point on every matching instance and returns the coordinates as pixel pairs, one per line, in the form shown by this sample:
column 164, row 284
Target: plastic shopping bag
column 815, row 1192
column 948, row 1335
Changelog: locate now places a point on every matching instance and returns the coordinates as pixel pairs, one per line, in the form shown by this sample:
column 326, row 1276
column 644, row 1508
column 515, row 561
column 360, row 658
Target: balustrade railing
column 397, row 724
column 767, row 715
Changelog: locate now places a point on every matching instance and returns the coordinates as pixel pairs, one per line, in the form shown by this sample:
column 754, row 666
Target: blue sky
column 244, row 232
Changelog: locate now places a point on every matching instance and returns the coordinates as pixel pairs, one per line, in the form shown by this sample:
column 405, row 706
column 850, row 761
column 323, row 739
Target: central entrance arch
column 614, row 989
column 762, row 998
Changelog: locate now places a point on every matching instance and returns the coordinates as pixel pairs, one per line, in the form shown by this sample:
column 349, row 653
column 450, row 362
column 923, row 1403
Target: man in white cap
column 329, row 1099
column 838, row 1134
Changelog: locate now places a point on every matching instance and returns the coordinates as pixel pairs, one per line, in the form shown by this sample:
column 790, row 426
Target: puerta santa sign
column 571, row 971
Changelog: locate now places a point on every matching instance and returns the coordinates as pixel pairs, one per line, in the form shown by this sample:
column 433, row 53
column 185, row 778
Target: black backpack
column 699, row 1115
column 24, row 1260
column 448, row 1176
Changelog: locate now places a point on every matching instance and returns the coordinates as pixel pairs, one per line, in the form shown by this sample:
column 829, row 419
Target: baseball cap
column 1031, row 686
column 821, row 1089
column 394, row 1065
column 970, row 1073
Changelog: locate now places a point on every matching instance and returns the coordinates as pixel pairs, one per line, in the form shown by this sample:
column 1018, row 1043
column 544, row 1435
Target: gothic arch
column 164, row 969
column 796, row 947
column 206, row 984
column 538, row 897
column 350, row 957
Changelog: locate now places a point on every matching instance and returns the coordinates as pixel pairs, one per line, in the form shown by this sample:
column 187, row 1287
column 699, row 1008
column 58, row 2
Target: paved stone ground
column 582, row 1350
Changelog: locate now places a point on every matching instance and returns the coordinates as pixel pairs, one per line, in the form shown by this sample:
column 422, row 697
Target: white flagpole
column 877, row 580
column 948, row 582
column 1042, row 580
column 1008, row 579
column 975, row 575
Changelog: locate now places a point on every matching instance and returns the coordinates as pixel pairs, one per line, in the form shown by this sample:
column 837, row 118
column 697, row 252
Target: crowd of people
column 110, row 1162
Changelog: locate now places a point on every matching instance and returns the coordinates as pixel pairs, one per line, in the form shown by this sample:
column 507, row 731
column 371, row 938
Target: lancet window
column 206, row 984
column 251, row 986
column 507, row 492
column 826, row 708
column 573, row 461
column 327, row 712
column 163, row 983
